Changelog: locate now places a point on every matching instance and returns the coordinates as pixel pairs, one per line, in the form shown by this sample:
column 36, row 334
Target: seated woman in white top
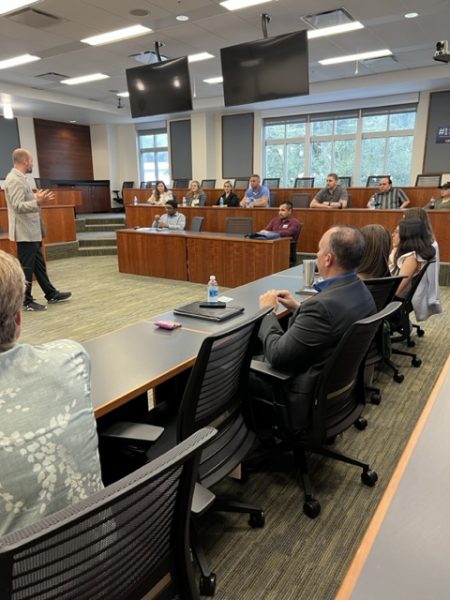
column 160, row 194
column 411, row 249
column 196, row 196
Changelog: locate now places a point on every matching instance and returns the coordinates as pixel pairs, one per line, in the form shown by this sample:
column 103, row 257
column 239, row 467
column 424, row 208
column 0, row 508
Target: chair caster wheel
column 257, row 520
column 369, row 477
column 416, row 362
column 399, row 377
column 360, row 423
column 207, row 585
column 375, row 398
column 420, row 333
column 312, row 508
column 410, row 343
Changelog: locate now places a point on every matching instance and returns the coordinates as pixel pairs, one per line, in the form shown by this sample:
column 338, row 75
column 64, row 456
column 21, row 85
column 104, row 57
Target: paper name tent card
column 211, row 314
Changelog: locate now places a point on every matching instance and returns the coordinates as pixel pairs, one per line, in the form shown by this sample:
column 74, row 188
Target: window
column 354, row 143
column 154, row 155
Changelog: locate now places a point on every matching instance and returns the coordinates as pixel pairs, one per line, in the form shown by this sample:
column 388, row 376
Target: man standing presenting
column 257, row 194
column 331, row 196
column 25, row 228
column 316, row 325
column 388, row 196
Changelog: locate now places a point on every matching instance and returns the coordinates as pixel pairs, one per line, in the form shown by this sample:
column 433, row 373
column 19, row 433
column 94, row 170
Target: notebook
column 211, row 314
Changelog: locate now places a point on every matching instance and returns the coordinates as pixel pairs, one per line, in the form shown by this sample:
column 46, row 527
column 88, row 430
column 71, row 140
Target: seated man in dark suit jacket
column 316, row 325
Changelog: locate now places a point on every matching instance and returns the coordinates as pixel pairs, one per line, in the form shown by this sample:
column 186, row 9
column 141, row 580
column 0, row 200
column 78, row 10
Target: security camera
column 442, row 53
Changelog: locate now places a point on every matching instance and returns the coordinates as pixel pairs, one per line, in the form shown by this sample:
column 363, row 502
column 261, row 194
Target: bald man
column 25, row 228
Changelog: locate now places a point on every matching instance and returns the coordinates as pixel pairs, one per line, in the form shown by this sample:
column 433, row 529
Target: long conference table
column 191, row 256
column 315, row 221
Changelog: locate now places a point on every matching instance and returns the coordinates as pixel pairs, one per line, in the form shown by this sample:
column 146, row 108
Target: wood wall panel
column 64, row 150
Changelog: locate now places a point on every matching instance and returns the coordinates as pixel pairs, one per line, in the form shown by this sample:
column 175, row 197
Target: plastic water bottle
column 221, row 201
column 213, row 289
column 183, row 202
column 373, row 202
column 432, row 203
column 135, row 200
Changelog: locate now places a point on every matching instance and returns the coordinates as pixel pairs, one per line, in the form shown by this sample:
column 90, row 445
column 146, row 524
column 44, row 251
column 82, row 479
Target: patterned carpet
column 292, row 557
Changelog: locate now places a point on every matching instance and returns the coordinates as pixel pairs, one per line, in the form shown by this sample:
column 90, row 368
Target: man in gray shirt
column 331, row 196
column 172, row 219
column 388, row 196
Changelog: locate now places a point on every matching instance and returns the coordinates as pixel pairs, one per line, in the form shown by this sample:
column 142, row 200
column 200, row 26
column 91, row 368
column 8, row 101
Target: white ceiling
column 210, row 28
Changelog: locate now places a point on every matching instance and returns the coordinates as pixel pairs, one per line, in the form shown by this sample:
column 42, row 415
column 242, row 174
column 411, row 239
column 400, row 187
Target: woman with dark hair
column 160, row 194
column 375, row 262
column 426, row 301
column 411, row 249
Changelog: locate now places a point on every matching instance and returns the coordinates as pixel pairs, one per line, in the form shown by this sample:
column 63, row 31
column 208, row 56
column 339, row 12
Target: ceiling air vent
column 51, row 76
column 34, row 18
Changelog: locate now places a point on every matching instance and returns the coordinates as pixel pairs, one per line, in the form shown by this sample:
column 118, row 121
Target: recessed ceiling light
column 334, row 29
column 353, row 57
column 23, row 59
column 84, row 79
column 238, row 4
column 182, row 18
column 117, row 35
column 199, row 56
column 411, row 15
column 10, row 5
column 213, row 80
column 72, row 121
column 124, row 94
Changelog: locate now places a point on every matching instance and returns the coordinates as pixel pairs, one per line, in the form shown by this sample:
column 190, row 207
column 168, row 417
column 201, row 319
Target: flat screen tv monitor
column 266, row 69
column 158, row 88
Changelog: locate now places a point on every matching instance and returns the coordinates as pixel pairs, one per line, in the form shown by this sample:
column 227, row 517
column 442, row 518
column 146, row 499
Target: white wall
column 28, row 140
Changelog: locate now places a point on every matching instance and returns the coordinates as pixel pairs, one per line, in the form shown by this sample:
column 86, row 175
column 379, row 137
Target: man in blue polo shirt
column 257, row 194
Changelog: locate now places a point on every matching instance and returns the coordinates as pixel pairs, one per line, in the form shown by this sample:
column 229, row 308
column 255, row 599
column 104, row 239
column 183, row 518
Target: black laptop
column 211, row 314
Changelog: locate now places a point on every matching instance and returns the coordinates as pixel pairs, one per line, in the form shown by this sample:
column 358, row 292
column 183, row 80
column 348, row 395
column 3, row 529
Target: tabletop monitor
column 158, row 88
column 266, row 69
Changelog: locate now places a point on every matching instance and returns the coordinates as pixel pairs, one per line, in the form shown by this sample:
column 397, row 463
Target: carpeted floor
column 292, row 557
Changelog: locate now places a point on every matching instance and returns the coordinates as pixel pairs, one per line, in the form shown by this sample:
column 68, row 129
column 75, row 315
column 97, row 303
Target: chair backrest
column 196, row 223
column 304, row 182
column 143, row 185
column 339, row 395
column 374, row 180
column 415, row 281
column 208, row 183
column 431, row 180
column 127, row 184
column 273, row 198
column 215, row 392
column 116, row 545
column 272, row 182
column 150, row 184
column 383, row 289
column 238, row 225
column 180, row 183
column 349, row 200
column 300, row 200
column 241, row 183
column 345, row 181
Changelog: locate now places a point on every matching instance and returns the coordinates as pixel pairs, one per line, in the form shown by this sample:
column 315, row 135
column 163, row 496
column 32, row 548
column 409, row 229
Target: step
column 97, row 251
column 104, row 227
column 97, row 241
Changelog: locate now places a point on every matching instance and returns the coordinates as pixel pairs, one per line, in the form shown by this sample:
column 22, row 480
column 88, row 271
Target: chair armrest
column 263, row 368
column 201, row 499
column 138, row 432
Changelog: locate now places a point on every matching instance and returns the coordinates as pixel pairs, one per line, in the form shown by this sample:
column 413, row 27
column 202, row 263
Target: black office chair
column 430, row 180
column 304, row 182
column 336, row 404
column 273, row 198
column 150, row 184
column 401, row 325
column 374, row 180
column 197, row 223
column 293, row 249
column 181, row 183
column 119, row 544
column 143, row 185
column 272, row 182
column 208, row 183
column 214, row 393
column 345, row 181
column 241, row 183
column 120, row 198
column 300, row 200
column 239, row 225
column 383, row 291
column 349, row 200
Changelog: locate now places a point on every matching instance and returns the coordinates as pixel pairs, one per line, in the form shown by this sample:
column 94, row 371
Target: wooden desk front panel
column 235, row 262
column 152, row 254
column 315, row 221
column 59, row 223
column 62, row 198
